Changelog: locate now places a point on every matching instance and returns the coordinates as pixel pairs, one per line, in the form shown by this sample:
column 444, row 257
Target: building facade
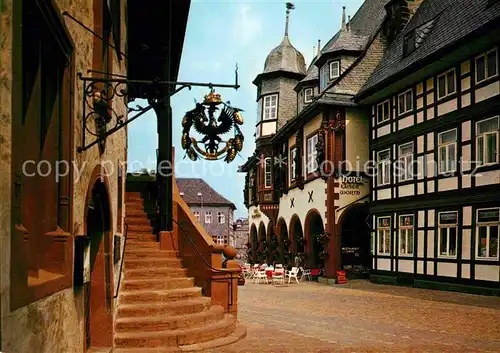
column 240, row 240
column 62, row 200
column 210, row 208
column 306, row 189
column 434, row 137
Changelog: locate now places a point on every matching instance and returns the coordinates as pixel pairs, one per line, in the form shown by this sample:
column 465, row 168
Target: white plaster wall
column 256, row 220
column 466, row 242
column 448, row 184
column 488, row 178
column 447, row 107
column 384, row 264
column 357, row 138
column 447, row 269
column 268, row 128
column 487, row 91
column 405, row 266
column 384, row 194
column 384, row 130
column 302, row 206
column 487, row 272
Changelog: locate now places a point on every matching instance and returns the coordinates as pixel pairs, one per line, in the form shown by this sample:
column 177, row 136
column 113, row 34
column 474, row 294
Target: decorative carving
column 211, row 129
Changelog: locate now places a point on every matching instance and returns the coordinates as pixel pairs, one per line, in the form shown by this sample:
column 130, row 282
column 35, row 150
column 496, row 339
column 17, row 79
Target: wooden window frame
column 311, row 96
column 488, row 234
column 403, row 95
column 331, row 75
column 485, row 57
column 447, row 227
column 381, row 239
column 404, row 231
column 382, row 104
column 448, row 93
column 482, row 135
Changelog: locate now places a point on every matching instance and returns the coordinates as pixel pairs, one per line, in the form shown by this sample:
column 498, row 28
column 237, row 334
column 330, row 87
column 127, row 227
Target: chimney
column 343, row 18
column 319, row 47
column 348, row 23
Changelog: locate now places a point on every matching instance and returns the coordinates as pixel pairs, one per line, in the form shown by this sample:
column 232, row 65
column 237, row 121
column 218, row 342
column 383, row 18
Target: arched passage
column 262, row 249
column 297, row 241
column 98, row 293
column 283, row 242
column 355, row 241
column 272, row 244
column 314, row 245
column 254, row 241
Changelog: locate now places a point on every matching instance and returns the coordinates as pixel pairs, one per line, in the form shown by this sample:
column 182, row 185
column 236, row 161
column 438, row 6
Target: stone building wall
column 288, row 101
column 215, row 229
column 54, row 323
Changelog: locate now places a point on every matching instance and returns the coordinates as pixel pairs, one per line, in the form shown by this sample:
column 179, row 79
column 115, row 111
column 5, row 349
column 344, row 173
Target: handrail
column 121, row 263
column 207, row 264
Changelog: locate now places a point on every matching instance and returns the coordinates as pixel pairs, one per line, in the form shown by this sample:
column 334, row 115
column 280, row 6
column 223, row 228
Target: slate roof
column 312, row 73
column 363, row 24
column 453, row 20
column 192, row 186
column 285, row 58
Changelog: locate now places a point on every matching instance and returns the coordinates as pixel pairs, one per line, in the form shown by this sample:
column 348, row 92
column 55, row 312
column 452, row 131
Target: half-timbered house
column 434, row 140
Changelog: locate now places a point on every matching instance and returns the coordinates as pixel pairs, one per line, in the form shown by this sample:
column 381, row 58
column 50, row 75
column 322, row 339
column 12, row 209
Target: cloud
column 247, row 25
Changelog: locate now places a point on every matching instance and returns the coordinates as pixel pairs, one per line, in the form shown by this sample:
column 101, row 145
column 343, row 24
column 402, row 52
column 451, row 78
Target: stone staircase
column 159, row 307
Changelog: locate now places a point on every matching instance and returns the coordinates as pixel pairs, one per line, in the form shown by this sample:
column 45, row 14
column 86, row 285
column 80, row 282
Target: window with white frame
column 312, row 163
column 405, row 102
column 383, row 112
column 208, row 217
column 221, row 217
column 267, row 173
column 406, row 229
column 197, row 215
column 383, row 167
column 487, row 233
column 308, row 95
column 486, row 66
column 447, row 150
column 324, row 77
column 405, row 162
column 270, row 107
column 446, row 84
column 293, row 164
column 487, row 141
column 334, row 69
column 384, row 235
column 220, row 240
column 448, row 223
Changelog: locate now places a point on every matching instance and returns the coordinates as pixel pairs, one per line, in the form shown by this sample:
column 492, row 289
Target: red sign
column 341, row 277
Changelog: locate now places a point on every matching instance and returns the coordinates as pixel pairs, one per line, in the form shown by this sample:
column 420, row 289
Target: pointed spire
column 343, row 18
column 319, row 47
column 289, row 6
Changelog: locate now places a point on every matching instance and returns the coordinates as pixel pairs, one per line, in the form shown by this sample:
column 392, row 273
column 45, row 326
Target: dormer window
column 414, row 39
column 334, row 69
column 308, row 95
column 270, row 107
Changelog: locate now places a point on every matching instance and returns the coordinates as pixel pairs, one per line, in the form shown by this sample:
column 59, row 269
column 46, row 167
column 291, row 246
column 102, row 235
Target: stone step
column 141, row 236
column 172, row 338
column 155, row 272
column 178, row 307
column 158, row 283
column 145, row 263
column 150, row 296
column 163, row 323
column 136, row 253
column 239, row 333
column 134, row 227
column 134, row 244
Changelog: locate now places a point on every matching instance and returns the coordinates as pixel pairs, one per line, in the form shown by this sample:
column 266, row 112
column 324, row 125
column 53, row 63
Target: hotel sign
column 351, row 185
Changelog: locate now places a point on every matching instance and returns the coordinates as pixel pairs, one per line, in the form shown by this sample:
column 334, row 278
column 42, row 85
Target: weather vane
column 211, row 128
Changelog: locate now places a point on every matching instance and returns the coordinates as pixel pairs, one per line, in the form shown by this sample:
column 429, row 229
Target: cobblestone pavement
column 364, row 317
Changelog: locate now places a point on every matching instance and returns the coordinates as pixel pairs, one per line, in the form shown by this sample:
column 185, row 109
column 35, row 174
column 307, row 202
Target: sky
column 220, row 34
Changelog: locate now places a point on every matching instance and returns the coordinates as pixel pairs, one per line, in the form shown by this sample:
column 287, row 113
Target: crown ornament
column 212, row 98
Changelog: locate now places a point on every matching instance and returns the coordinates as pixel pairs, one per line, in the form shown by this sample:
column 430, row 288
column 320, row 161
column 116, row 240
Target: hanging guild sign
column 211, row 129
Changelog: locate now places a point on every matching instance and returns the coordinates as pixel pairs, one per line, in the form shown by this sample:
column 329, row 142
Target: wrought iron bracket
column 99, row 117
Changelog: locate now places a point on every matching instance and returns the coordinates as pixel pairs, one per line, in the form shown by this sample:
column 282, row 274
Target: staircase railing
column 121, row 262
column 208, row 265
